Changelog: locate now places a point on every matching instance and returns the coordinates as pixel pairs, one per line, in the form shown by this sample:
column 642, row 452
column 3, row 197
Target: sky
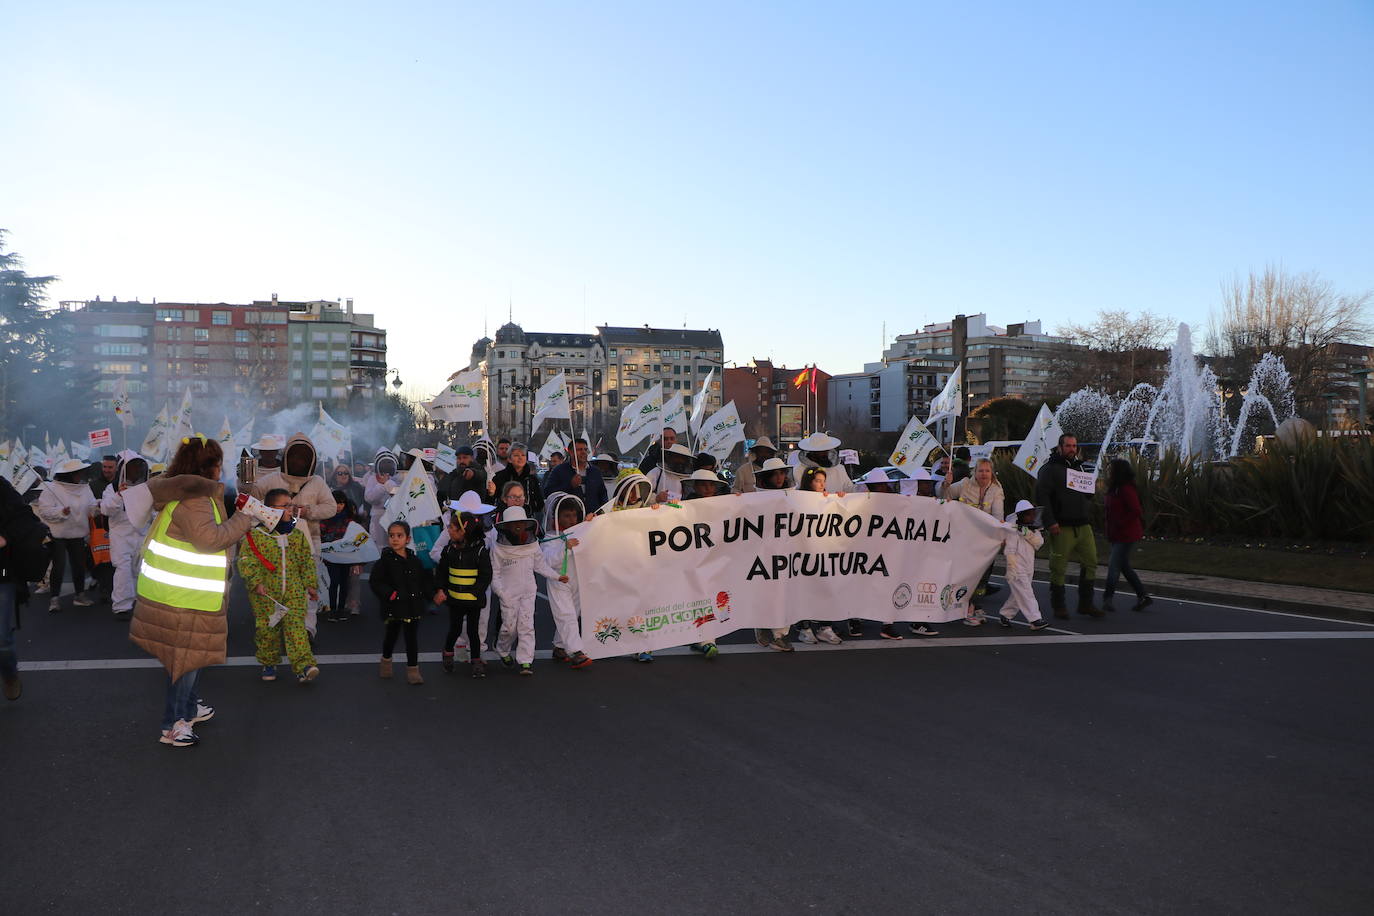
column 800, row 176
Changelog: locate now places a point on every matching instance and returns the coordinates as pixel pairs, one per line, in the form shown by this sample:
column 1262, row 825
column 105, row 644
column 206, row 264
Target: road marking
column 947, row 642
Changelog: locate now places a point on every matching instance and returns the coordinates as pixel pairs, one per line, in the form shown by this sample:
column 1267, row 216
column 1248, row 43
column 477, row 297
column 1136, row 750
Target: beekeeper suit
column 1020, row 544
column 377, row 489
column 516, row 560
column 308, row 491
column 820, row 450
column 675, row 467
column 126, row 533
column 564, row 601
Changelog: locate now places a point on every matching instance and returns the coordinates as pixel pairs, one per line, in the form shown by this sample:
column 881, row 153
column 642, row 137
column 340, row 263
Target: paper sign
column 1081, row 481
column 278, row 612
column 445, row 458
column 99, row 438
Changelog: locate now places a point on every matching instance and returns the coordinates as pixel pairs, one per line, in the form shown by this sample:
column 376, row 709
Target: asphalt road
column 1218, row 764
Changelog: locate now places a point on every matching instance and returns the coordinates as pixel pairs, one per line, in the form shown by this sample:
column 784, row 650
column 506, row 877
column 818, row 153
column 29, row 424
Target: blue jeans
column 9, row 662
column 181, row 699
column 1119, row 564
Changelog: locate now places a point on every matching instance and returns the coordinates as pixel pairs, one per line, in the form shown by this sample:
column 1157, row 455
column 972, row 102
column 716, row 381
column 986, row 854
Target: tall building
column 336, row 353
column 604, row 371
column 1343, row 384
column 771, row 403
column 163, row 348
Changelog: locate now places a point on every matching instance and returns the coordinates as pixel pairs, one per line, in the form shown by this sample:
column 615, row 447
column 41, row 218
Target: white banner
column 720, row 433
column 551, row 401
column 674, row 416
column 181, row 426
column 642, row 418
column 703, row 398
column 1043, row 436
column 414, row 501
column 355, row 546
column 553, row 443
column 665, row 577
column 122, row 407
column 914, row 445
column 950, row 401
column 155, row 443
column 445, row 458
column 461, row 399
column 331, row 439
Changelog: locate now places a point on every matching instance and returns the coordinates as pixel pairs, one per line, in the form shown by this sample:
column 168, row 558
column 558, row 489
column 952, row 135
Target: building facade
column 604, row 371
column 336, row 353
column 770, row 401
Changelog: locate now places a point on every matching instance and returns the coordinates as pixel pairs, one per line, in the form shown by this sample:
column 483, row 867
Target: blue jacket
column 593, row 489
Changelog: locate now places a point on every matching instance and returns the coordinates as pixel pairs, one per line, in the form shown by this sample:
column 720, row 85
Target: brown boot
column 385, row 668
column 413, row 675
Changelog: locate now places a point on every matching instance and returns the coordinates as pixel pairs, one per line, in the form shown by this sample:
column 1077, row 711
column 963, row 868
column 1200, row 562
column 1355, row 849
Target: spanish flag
column 801, row 378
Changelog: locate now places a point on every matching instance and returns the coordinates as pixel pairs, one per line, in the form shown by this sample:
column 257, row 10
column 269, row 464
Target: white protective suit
column 1021, row 543
column 836, row 477
column 563, row 598
column 376, row 494
column 308, row 491
column 76, row 497
column 664, row 480
column 126, row 538
column 513, row 571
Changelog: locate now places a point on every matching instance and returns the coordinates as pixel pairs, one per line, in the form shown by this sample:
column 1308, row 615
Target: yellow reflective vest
column 176, row 574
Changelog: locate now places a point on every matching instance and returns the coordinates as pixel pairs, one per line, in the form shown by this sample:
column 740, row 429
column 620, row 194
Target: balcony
column 366, row 362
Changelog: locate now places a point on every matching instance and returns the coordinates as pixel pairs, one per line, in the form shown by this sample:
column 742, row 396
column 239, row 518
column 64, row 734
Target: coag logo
column 902, row 596
column 607, row 628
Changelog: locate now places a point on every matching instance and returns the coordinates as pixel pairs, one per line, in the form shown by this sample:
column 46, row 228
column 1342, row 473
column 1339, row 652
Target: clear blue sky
column 792, row 174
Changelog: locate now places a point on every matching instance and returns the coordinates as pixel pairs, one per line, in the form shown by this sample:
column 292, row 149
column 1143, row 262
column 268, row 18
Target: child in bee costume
column 516, row 560
column 1022, row 541
column 278, row 570
column 563, row 512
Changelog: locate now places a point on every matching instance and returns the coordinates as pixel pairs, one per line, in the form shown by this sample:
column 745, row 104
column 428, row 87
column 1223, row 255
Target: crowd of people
column 160, row 546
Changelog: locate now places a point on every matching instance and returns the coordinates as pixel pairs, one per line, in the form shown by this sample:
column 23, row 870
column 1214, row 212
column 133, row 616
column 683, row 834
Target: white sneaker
column 828, row 634
column 807, row 635
column 180, row 735
column 203, row 713
column 82, row 600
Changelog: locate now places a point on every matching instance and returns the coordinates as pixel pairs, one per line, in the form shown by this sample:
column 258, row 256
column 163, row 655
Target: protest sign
column 668, row 576
column 99, row 438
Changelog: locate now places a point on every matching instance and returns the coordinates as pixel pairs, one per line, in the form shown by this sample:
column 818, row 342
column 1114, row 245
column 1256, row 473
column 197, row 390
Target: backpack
column 28, row 543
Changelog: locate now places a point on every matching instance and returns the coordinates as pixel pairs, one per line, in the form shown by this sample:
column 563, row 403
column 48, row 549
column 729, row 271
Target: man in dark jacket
column 1065, row 493
column 578, row 477
column 16, row 520
column 466, row 476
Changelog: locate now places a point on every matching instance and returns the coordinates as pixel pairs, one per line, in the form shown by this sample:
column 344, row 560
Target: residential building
column 113, row 340
column 604, row 371
column 336, row 353
column 885, row 395
column 1343, row 385
column 770, row 401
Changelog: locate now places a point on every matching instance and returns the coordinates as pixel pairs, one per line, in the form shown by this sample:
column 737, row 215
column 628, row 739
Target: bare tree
column 1123, row 351
column 1298, row 316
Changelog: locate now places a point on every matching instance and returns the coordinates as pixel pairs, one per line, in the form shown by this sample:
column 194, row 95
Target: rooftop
column 660, row 337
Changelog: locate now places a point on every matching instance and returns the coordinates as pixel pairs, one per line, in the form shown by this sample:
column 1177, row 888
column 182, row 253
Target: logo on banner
column 637, row 625
column 950, row 597
column 722, row 606
column 607, row 628
column 902, row 596
column 925, row 592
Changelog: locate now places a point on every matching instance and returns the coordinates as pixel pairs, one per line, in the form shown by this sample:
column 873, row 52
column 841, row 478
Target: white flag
column 721, row 432
column 913, row 446
column 21, row 473
column 461, row 399
column 182, row 428
column 331, row 439
column 356, row 546
column 950, row 402
column 58, row 454
column 551, row 402
column 674, row 413
column 414, row 499
column 155, row 443
column 445, row 458
column 643, row 417
column 553, row 443
column 1043, row 436
column 243, row 439
column 38, row 458
column 81, row 450
column 226, row 435
column 699, row 405
column 123, row 408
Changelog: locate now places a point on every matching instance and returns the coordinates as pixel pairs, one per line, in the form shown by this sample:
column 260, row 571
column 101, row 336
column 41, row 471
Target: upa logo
column 722, row 606
column 637, row 624
column 607, row 628
column 926, row 592
column 902, row 596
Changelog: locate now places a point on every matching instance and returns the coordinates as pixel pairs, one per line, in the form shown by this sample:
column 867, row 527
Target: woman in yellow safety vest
column 179, row 615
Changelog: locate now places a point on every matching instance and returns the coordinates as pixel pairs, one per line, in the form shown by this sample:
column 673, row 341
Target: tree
column 1123, row 351
column 1297, row 316
column 1003, row 419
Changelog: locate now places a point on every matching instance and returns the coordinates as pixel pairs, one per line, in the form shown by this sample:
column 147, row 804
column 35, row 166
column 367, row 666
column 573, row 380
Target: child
column 126, row 538
column 278, row 570
column 331, row 529
column 1022, row 541
column 563, row 512
column 517, row 560
column 401, row 584
column 463, row 575
column 809, row 631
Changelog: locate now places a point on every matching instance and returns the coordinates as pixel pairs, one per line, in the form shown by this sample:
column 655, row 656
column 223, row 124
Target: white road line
column 946, row 642
column 1252, row 610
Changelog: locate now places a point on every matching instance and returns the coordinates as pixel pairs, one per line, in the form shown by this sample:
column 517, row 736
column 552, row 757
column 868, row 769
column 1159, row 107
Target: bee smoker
column 248, row 469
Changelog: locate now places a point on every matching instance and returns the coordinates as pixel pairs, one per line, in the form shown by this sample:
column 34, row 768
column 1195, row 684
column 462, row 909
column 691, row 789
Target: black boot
column 1058, row 602
column 1085, row 596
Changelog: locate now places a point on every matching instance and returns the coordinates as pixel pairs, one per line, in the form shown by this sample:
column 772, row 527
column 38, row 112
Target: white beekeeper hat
column 471, row 503
column 818, row 442
column 269, row 443
column 1021, row 506
column 70, row 465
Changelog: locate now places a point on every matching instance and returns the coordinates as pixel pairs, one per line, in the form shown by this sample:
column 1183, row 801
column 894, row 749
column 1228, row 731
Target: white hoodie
column 1021, row 545
column 76, row 497
column 513, row 569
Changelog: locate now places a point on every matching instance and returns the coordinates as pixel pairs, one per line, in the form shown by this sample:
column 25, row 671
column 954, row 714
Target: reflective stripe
column 216, row 561
column 461, row 596
column 180, row 581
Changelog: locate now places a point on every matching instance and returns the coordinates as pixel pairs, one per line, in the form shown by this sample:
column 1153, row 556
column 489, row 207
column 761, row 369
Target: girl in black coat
column 403, row 587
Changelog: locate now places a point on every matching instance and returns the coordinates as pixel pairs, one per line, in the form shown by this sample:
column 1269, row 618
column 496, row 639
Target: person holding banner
column 676, row 467
column 1065, row 493
column 279, row 574
column 821, row 451
column 756, row 457
column 333, row 529
column 565, row 511
column 983, row 492
column 579, row 478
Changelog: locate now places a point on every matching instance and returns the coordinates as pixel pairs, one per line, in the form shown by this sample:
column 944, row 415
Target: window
column 120, row 330
column 631, row 383
column 633, row 367
column 338, row 336
column 319, row 391
column 296, row 374
column 339, row 355
column 220, row 317
column 173, row 334
column 241, row 353
column 168, row 314
column 611, row 352
column 319, row 373
column 202, row 350
column 202, row 333
column 241, row 336
column 338, row 391
column 297, row 335
column 124, row 368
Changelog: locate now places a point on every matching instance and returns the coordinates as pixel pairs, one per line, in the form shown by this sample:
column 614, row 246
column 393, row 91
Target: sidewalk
column 1266, row 596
